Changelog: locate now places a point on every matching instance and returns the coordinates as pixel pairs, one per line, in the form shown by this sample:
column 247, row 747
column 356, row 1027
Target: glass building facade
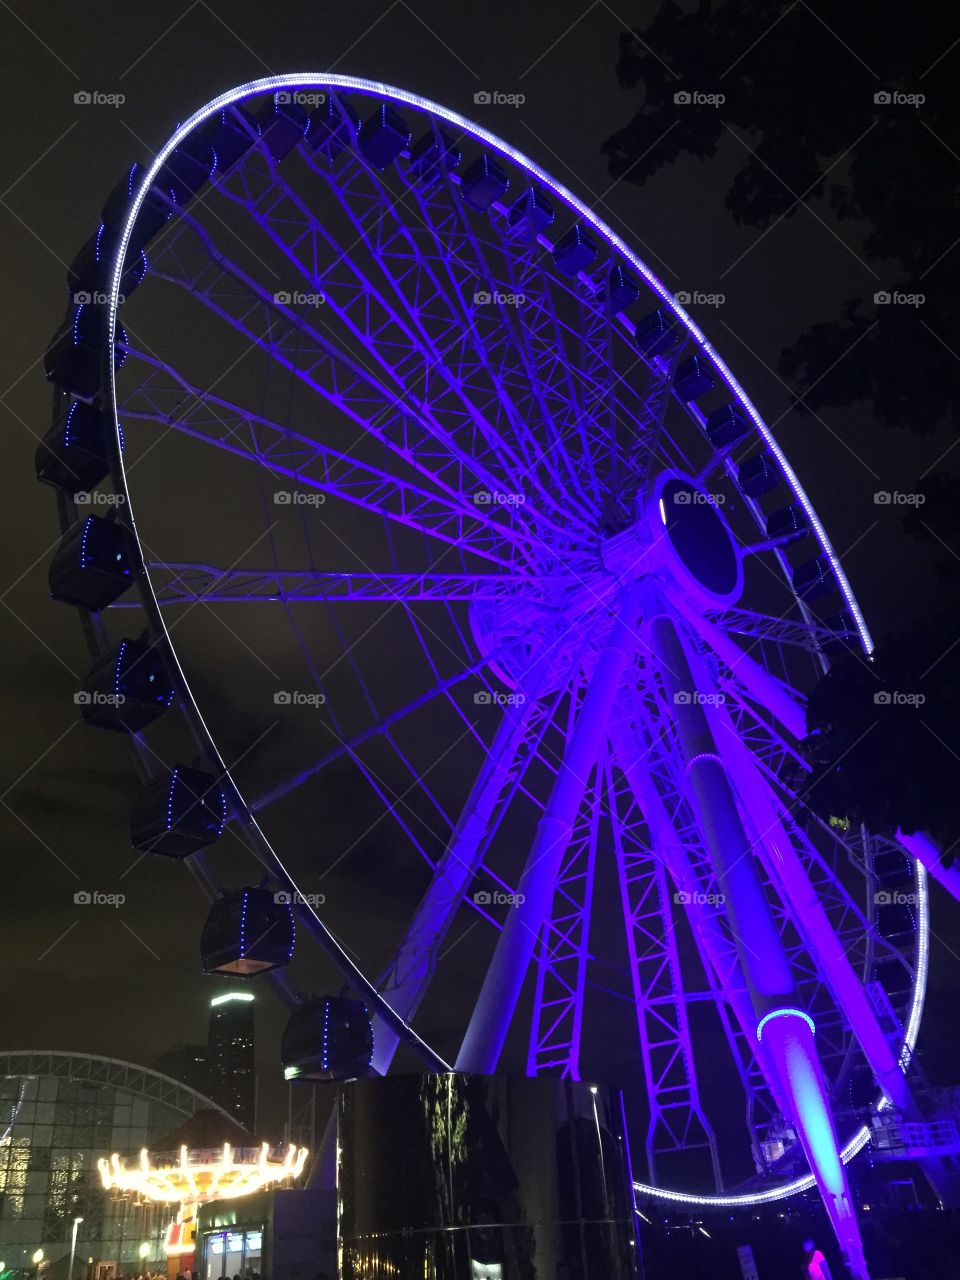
column 59, row 1114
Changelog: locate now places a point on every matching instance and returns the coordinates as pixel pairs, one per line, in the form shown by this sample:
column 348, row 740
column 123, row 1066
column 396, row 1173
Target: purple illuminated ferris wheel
column 493, row 542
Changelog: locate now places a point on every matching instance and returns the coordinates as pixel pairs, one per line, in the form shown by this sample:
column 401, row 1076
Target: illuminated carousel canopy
column 200, row 1175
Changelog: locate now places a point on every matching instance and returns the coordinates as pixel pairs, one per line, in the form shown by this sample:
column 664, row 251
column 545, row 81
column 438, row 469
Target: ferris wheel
column 471, row 507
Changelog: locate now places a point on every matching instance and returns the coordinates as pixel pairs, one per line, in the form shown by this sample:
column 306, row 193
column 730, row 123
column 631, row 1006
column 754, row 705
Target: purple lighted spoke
column 466, row 263
column 389, row 339
column 183, row 581
column 282, row 452
column 350, row 386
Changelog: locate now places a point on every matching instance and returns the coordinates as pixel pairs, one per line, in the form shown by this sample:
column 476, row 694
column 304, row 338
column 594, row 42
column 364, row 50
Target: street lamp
column 73, row 1246
column 37, row 1261
column 144, row 1251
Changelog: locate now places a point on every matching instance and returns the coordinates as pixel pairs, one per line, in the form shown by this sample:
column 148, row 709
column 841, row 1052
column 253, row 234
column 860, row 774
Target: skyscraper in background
column 230, row 1063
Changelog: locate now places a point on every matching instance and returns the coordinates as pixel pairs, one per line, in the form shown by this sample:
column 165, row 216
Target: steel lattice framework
column 453, row 409
column 109, row 1072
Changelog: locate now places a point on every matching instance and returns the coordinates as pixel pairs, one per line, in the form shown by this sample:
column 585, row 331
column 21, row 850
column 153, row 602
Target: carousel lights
column 201, row 1180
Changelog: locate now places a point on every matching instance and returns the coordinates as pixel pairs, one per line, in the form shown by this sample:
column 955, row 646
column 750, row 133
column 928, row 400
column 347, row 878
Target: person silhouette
column 815, row 1265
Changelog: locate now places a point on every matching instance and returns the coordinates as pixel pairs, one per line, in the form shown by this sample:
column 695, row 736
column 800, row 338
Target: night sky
column 125, row 982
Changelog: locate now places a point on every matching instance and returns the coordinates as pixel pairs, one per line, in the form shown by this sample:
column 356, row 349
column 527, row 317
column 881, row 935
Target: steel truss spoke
column 168, row 399
column 350, row 745
column 402, row 423
column 486, row 342
column 563, row 946
column 540, row 343
column 187, row 582
column 762, row 626
column 677, row 1119
column 519, row 743
column 645, row 752
column 402, row 347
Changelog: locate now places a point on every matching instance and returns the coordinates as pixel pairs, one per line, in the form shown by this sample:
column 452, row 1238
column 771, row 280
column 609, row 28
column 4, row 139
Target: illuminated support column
column 483, row 1042
column 705, row 920
column 775, row 847
column 799, row 1078
column 764, row 688
column 413, row 966
column 788, row 1035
